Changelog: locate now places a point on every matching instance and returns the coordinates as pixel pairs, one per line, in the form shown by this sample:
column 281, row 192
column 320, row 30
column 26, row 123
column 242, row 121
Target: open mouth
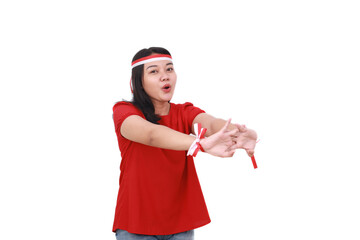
column 166, row 87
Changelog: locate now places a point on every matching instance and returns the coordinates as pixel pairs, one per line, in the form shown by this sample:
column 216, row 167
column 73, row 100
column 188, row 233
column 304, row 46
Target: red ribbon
column 254, row 162
column 200, row 134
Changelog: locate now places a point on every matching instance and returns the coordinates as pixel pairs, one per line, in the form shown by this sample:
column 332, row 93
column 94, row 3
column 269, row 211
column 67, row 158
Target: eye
column 170, row 69
column 153, row 71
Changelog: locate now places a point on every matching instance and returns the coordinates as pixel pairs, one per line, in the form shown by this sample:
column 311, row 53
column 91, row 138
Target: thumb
column 224, row 129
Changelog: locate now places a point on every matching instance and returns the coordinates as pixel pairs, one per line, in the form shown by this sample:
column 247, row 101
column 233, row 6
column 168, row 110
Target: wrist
column 196, row 145
column 200, row 145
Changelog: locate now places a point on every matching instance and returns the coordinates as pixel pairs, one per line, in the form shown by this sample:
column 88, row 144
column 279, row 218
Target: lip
column 166, row 88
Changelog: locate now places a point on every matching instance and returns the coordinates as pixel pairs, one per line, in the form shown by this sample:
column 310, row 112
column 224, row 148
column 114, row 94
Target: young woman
column 160, row 196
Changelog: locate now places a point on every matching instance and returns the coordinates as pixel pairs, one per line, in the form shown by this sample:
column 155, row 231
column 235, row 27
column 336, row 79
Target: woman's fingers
column 250, row 152
column 228, row 153
column 230, row 136
column 234, row 147
column 225, row 142
column 241, row 127
column 233, row 133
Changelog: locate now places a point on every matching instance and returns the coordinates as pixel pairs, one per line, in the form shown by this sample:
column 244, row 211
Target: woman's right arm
column 137, row 129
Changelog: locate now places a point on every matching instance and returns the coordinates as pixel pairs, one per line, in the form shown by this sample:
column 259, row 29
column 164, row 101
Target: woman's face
column 159, row 80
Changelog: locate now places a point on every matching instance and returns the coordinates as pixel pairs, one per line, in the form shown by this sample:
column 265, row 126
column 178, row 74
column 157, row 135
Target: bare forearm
column 217, row 124
column 164, row 137
column 137, row 129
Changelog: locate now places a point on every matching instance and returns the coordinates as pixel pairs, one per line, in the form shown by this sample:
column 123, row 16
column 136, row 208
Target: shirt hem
column 183, row 229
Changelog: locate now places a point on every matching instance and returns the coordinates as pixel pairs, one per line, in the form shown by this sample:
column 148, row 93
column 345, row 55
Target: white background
column 287, row 69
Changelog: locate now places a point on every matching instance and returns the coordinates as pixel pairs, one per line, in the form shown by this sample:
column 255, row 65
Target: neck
column 161, row 108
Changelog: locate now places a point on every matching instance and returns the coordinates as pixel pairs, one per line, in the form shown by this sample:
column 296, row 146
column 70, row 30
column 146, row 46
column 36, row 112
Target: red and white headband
column 151, row 58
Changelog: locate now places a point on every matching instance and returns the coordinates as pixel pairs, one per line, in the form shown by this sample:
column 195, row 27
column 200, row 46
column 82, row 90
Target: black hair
column 141, row 99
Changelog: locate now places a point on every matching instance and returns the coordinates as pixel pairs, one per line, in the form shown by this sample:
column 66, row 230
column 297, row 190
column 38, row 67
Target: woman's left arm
column 212, row 124
column 245, row 138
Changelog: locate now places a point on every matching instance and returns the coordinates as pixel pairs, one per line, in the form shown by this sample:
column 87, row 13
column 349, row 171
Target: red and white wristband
column 196, row 146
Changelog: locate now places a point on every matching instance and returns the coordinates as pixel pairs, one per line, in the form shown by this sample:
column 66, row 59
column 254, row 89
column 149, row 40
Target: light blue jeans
column 124, row 235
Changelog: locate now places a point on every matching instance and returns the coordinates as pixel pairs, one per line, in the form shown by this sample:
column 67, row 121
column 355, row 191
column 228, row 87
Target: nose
column 164, row 77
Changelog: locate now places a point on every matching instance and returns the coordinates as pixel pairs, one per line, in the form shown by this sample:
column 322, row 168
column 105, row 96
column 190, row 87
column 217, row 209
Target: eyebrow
column 170, row 63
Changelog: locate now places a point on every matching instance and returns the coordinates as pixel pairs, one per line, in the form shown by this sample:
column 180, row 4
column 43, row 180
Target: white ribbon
column 195, row 146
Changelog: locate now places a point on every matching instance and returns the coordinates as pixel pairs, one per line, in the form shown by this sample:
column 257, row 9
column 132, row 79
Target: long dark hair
column 141, row 99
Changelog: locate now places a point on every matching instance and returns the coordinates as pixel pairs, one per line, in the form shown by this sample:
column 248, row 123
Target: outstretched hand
column 221, row 144
column 245, row 139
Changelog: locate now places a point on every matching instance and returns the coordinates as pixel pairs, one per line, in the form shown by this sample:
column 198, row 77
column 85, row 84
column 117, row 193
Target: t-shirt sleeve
column 191, row 112
column 121, row 111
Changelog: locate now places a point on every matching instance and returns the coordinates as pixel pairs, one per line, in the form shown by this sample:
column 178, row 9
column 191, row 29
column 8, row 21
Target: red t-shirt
column 159, row 192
